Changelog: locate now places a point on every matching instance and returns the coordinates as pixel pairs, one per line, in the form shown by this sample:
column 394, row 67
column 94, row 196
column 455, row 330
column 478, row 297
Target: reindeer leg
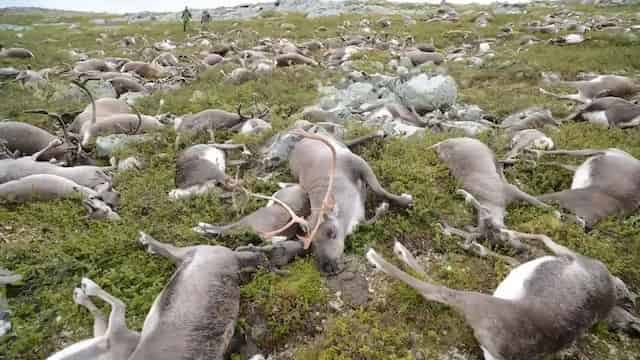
column 630, row 124
column 51, row 145
column 214, row 230
column 574, row 97
column 429, row 291
column 366, row 173
column 407, row 257
column 576, row 153
column 176, row 254
column 100, row 322
column 117, row 321
column 470, row 199
column 571, row 168
column 470, row 244
column 516, row 193
column 380, row 212
column 556, row 248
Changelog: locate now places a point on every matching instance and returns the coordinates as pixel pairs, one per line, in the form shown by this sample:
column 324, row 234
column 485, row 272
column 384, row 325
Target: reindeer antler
column 56, row 116
column 327, row 202
column 82, row 86
column 295, row 219
column 242, row 117
column 139, row 125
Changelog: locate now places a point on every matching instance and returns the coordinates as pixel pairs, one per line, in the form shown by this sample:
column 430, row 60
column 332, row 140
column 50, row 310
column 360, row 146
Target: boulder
column 426, row 93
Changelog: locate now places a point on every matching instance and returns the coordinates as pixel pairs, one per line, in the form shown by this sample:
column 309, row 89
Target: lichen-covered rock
column 426, row 93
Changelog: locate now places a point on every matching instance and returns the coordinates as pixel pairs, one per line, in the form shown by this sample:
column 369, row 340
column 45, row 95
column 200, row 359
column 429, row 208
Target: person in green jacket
column 186, row 18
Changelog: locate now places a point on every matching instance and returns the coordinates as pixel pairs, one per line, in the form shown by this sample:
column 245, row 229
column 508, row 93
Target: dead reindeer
column 336, row 181
column 609, row 112
column 194, row 317
column 605, row 184
column 87, row 176
column 115, row 124
column 44, row 187
column 92, row 65
column 531, row 118
column 27, row 139
column 540, row 308
column 122, row 85
column 200, row 169
column 103, row 108
column 272, row 221
column 146, row 70
column 291, row 59
column 528, row 139
column 16, row 53
column 484, row 186
column 599, row 86
column 214, row 119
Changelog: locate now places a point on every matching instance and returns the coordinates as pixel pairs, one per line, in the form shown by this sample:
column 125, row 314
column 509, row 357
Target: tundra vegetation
column 297, row 315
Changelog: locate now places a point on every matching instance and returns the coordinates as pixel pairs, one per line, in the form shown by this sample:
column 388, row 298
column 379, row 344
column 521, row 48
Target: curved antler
column 327, row 202
column 93, row 102
column 139, row 119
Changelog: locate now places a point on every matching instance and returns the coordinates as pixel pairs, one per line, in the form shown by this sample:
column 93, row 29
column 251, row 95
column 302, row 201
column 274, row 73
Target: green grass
column 53, row 246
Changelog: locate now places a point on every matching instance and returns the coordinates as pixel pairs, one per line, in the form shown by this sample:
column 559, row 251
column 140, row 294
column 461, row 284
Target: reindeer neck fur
column 195, row 314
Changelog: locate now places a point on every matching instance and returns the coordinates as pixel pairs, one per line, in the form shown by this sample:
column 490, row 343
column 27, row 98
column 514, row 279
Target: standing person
column 205, row 19
column 186, row 18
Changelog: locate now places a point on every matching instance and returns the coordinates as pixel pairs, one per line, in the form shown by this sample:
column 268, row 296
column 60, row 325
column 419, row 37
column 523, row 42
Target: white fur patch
column 370, row 256
column 358, row 215
column 512, row 288
column 543, row 143
column 597, row 117
column 177, row 122
column 582, row 177
column 216, row 157
column 93, row 348
column 487, row 355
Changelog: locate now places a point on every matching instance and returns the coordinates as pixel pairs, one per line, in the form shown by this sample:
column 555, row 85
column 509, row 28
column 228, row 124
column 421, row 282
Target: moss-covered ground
column 53, row 245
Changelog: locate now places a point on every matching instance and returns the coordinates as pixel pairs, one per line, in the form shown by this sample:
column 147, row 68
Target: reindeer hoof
column 467, row 197
column 408, row 200
column 372, row 257
column 79, row 297
column 443, row 229
column 145, row 241
column 89, row 287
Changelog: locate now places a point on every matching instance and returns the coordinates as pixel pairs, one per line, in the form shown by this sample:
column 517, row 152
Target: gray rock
column 357, row 94
column 427, row 94
column 107, row 145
